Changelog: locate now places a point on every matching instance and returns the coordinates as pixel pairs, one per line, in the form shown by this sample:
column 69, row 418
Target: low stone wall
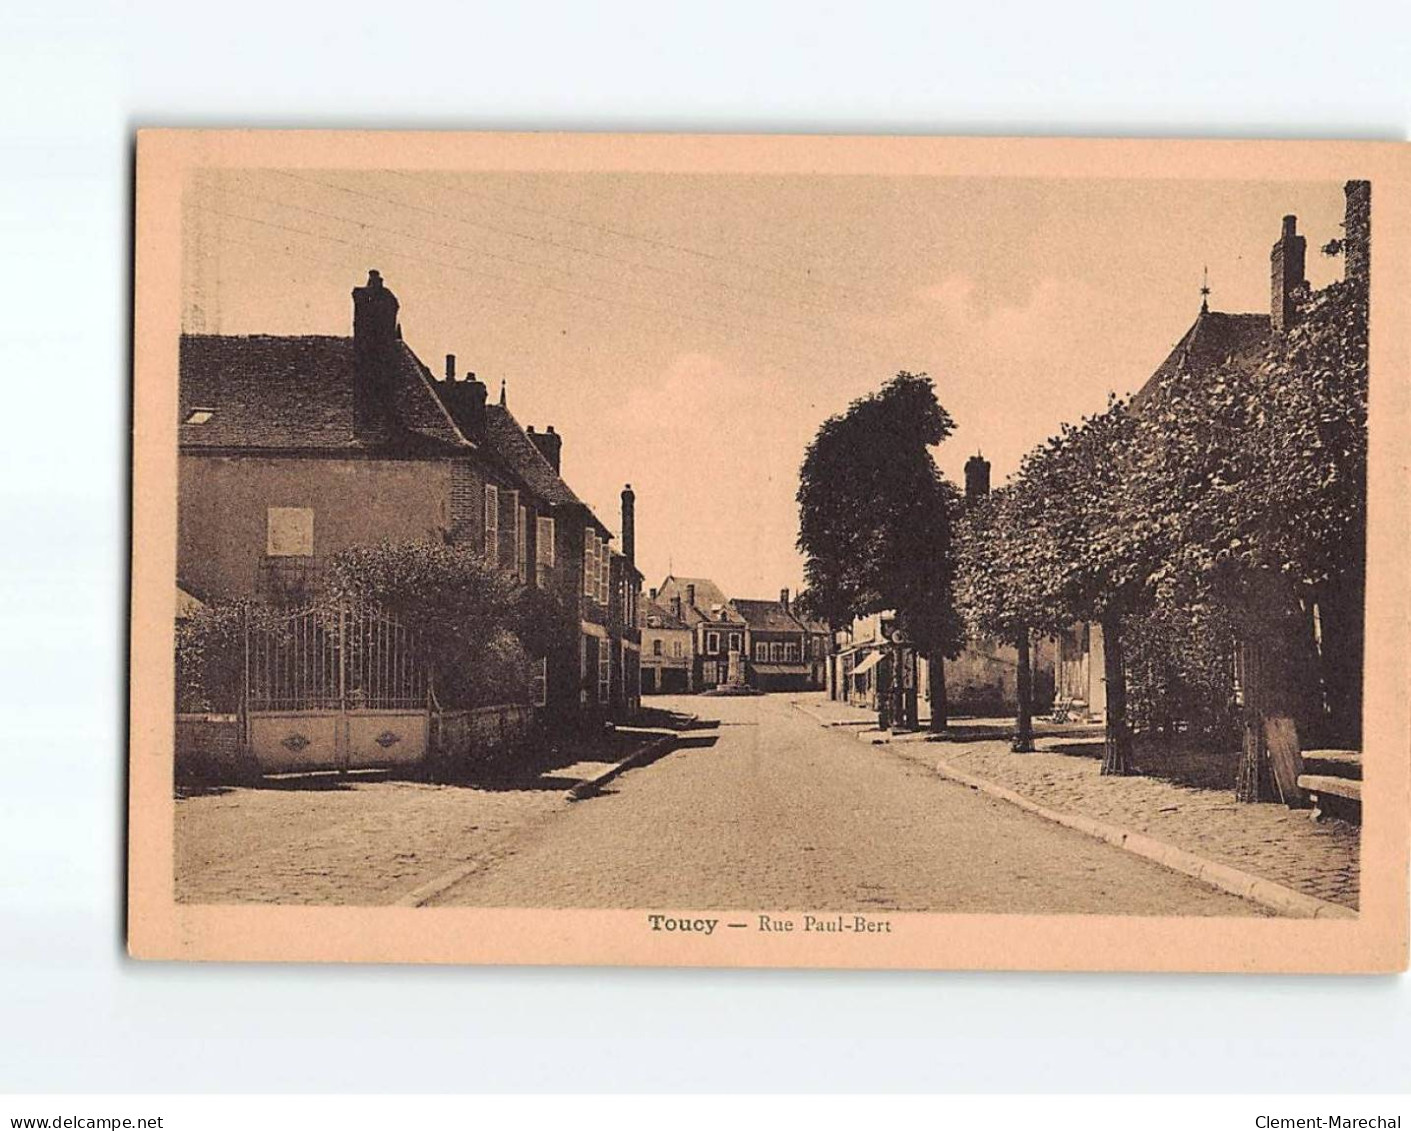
column 208, row 748
column 464, row 741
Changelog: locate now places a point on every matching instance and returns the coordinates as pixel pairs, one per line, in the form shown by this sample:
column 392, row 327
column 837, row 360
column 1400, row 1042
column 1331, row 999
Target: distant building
column 668, row 650
column 718, row 633
column 776, row 645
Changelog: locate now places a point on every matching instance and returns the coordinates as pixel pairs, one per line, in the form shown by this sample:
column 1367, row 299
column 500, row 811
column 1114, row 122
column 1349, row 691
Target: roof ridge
column 425, row 374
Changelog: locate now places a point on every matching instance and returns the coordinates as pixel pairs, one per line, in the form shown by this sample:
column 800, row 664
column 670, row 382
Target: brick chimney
column 464, row 398
column 676, row 607
column 691, row 595
column 375, row 337
column 1286, row 262
column 375, row 307
column 1357, row 232
column 629, row 525
column 784, row 599
column 652, row 593
column 550, row 445
column 977, row 477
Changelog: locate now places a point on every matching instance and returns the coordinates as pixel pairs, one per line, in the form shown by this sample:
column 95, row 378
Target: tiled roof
column 1213, row 339
column 707, row 592
column 507, row 439
column 296, row 393
column 662, row 614
column 765, row 616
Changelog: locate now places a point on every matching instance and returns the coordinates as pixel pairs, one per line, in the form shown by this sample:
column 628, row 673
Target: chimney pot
column 629, row 525
column 1286, row 262
column 977, row 477
column 550, row 445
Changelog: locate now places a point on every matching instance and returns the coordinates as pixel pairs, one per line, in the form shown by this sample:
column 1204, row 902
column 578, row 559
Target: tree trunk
column 936, row 678
column 1117, row 740
column 912, row 693
column 1255, row 780
column 1340, row 608
column 1024, row 694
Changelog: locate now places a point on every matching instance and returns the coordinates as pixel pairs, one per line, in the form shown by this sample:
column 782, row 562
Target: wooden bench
column 1320, row 787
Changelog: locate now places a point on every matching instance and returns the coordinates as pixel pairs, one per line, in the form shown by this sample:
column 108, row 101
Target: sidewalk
column 1271, row 841
column 367, row 839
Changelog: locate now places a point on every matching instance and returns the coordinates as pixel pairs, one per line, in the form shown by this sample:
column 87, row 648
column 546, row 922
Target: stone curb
column 425, row 893
column 1246, row 885
column 642, row 754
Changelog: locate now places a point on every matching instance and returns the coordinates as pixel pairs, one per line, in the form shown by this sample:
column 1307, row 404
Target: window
column 734, row 642
column 539, row 679
column 604, row 571
column 289, row 532
column 521, row 544
column 656, row 647
column 676, row 649
column 710, row 672
column 509, row 552
column 774, row 654
column 604, row 671
column 492, row 523
column 761, row 652
column 200, row 415
column 590, row 561
column 791, row 651
column 712, row 643
column 543, row 551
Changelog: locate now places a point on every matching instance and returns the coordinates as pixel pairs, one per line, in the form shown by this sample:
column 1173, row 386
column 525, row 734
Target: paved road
column 769, row 810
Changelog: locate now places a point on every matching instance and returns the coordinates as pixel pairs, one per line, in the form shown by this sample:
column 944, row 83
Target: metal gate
column 337, row 688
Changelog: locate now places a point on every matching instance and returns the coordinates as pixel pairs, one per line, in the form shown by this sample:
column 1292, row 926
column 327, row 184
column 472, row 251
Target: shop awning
column 873, row 659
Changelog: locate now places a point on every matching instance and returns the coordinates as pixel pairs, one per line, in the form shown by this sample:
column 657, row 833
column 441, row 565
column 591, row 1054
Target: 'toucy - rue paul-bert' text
column 774, row 924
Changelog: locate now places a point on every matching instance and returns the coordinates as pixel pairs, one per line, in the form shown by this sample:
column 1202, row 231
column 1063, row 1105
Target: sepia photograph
column 807, row 553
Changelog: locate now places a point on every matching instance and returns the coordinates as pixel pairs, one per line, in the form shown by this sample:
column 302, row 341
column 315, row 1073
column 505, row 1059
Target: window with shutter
column 521, row 544
column 543, row 551
column 492, row 523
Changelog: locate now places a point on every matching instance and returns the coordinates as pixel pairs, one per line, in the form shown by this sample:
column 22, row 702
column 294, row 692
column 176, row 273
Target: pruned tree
column 1247, row 487
column 876, row 520
column 478, row 626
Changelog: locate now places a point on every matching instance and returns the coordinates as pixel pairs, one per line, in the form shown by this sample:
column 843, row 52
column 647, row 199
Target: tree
column 1250, row 484
column 477, row 625
column 876, row 520
column 1056, row 547
column 996, row 588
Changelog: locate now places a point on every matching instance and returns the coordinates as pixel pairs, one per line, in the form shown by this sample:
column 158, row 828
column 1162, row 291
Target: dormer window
column 200, row 415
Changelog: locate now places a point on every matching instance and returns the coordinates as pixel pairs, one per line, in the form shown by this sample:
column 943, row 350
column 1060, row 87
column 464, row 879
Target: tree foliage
column 876, row 517
column 477, row 626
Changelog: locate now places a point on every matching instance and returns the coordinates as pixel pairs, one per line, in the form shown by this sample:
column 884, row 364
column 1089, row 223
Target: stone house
column 776, row 645
column 717, row 632
column 294, row 448
column 668, row 649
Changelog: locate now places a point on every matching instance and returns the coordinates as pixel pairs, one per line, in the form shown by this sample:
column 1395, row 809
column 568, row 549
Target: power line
column 561, row 245
column 501, row 278
column 653, row 241
column 521, row 262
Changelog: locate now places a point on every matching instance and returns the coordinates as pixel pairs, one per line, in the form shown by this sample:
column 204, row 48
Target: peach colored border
column 161, row 928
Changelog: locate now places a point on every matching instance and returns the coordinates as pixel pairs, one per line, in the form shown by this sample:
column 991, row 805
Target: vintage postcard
column 770, row 551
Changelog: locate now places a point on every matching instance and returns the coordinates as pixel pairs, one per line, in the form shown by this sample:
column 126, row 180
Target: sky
column 689, row 333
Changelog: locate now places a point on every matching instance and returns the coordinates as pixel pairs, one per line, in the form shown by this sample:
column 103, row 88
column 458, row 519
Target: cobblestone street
column 1271, row 841
column 766, row 809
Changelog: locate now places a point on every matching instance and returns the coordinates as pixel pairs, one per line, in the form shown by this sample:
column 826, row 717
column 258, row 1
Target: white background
column 76, row 79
